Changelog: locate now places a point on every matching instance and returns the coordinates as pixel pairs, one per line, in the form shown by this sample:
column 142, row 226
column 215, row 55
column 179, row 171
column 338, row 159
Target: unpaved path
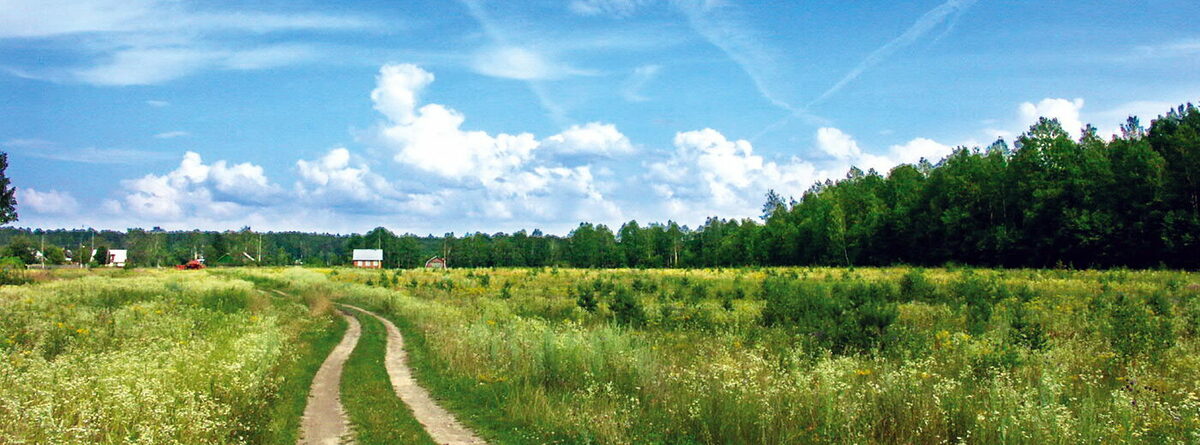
column 439, row 423
column 324, row 421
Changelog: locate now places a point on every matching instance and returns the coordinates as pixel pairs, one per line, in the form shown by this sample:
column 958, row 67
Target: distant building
column 117, row 257
column 436, row 263
column 368, row 258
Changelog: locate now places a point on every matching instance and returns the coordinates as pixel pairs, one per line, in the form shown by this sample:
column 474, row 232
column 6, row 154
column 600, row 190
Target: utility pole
column 42, row 250
column 260, row 249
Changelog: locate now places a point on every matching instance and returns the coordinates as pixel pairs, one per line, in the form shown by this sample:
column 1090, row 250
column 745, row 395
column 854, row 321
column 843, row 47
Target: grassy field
column 794, row 355
column 892, row 355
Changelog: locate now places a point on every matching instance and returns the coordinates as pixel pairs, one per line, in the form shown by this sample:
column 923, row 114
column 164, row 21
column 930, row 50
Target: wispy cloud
column 43, row 149
column 741, row 44
column 923, row 25
column 143, row 42
column 171, row 134
column 615, row 8
column 631, row 90
column 157, row 103
column 522, row 64
column 1178, row 48
column 500, row 38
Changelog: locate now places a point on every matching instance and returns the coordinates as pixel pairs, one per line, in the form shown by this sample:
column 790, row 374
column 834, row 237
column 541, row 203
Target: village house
column 117, row 257
column 436, row 263
column 368, row 258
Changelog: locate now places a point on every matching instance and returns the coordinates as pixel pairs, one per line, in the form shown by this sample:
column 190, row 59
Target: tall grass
column 807, row 355
column 144, row 357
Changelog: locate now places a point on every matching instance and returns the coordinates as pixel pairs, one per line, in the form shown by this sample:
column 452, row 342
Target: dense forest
column 1048, row 200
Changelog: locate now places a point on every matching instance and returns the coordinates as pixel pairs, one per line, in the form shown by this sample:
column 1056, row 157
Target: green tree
column 22, row 247
column 101, row 257
column 8, row 198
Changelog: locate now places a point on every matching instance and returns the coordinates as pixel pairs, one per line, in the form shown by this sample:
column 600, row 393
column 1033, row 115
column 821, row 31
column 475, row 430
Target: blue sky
column 436, row 116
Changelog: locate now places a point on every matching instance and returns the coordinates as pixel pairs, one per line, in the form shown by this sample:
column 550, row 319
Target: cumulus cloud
column 593, row 138
column 920, row 148
column 847, row 152
column 52, row 202
column 335, row 179
column 198, row 189
column 495, row 176
column 1066, row 111
column 835, row 143
column 711, row 174
column 430, row 138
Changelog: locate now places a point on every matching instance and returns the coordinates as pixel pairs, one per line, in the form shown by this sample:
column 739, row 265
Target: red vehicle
column 190, row 265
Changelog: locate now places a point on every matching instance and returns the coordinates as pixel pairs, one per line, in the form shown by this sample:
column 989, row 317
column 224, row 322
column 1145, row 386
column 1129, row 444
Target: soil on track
column 325, row 421
column 440, row 424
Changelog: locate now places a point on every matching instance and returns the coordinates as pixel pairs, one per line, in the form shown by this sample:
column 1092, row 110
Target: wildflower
column 81, row 331
column 863, row 372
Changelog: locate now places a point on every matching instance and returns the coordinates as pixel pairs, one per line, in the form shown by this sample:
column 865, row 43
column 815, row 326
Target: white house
column 368, row 258
column 117, row 257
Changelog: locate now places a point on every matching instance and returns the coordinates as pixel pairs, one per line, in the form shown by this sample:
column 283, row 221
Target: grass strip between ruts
column 377, row 415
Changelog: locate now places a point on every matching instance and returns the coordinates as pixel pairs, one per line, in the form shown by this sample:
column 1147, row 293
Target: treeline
column 157, row 247
column 1049, row 200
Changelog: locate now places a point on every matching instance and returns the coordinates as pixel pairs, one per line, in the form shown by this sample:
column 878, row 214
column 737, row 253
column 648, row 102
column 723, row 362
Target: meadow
column 613, row 356
column 804, row 355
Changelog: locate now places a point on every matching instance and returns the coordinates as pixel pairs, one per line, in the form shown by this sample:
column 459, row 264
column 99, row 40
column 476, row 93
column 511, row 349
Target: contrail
column 923, row 25
column 553, row 109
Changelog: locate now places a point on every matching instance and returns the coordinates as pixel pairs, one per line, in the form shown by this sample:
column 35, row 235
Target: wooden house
column 368, row 258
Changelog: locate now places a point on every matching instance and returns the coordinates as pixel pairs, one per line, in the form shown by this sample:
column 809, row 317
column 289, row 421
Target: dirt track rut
column 324, row 421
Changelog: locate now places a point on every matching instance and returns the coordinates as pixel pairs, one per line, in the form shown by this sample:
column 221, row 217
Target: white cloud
column 171, row 134
column 430, row 138
column 594, row 138
column 915, row 150
column 334, row 179
column 732, row 179
column 846, row 150
column 493, row 176
column 837, row 144
column 144, row 42
column 195, row 189
column 521, row 63
column 52, row 202
column 49, row 18
column 1066, row 111
column 157, row 103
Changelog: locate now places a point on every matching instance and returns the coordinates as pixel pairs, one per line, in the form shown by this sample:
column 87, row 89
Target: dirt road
column 440, row 424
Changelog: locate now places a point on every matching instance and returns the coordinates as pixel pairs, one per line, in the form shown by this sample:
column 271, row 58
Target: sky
column 475, row 115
